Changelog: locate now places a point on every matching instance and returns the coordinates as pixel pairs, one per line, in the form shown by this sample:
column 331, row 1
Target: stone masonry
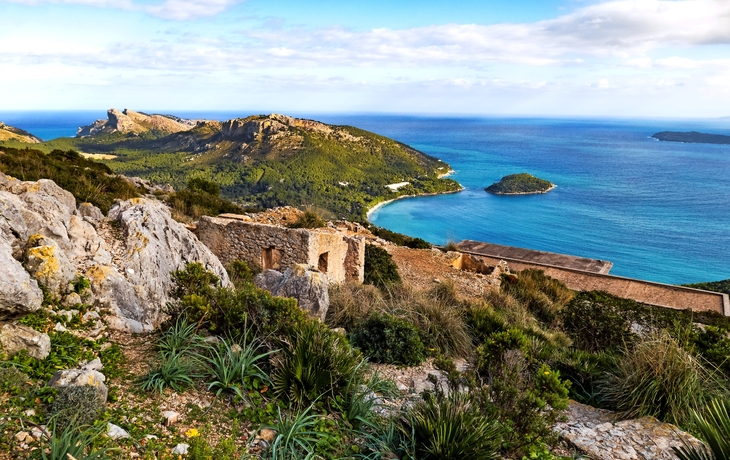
column 339, row 255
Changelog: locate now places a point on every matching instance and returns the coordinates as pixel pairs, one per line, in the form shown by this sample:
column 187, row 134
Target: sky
column 622, row 58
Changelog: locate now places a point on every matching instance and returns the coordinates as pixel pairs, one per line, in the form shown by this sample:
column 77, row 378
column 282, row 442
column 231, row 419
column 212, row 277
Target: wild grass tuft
column 74, row 442
column 296, row 436
column 660, row 378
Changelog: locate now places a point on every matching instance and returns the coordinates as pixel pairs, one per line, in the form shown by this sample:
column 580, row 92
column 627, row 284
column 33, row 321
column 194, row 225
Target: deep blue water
column 657, row 210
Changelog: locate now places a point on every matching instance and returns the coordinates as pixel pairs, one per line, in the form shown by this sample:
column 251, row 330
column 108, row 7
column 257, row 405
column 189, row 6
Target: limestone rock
column 89, row 212
column 116, row 432
column 45, row 262
column 19, row 294
column 156, row 245
column 112, row 291
column 180, row 449
column 302, row 282
column 17, row 337
column 87, row 247
column 81, row 377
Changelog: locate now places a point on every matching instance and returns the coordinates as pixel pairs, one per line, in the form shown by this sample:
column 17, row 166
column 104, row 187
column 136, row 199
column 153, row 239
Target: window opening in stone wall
column 322, row 265
column 271, row 259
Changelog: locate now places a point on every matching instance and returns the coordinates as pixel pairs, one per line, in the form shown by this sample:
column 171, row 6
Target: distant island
column 692, row 137
column 520, row 184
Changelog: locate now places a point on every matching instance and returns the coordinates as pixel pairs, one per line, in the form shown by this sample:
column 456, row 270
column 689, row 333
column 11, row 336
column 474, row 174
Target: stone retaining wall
column 339, row 256
column 648, row 292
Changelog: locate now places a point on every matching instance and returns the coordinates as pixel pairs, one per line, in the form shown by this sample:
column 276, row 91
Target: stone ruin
column 337, row 252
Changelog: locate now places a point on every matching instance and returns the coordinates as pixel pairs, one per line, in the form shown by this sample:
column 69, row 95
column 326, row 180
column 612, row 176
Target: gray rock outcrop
column 16, row 337
column 127, row 257
column 302, row 282
column 81, row 377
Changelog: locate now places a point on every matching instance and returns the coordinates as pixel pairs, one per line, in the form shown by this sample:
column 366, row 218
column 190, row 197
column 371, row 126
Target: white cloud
column 677, row 62
column 174, row 10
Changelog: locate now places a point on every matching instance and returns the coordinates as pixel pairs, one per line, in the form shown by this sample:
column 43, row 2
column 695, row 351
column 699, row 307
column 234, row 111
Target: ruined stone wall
column 661, row 295
column 341, row 257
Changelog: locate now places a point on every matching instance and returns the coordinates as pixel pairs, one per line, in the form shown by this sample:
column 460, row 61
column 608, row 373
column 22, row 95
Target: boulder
column 302, row 282
column 16, row 337
column 156, row 245
column 48, row 264
column 19, row 293
column 70, row 378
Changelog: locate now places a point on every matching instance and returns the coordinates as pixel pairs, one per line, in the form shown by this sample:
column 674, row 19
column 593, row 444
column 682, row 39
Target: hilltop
column 264, row 160
column 10, row 133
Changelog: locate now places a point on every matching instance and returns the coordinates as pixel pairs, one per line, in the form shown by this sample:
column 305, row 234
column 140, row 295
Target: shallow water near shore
column 658, row 210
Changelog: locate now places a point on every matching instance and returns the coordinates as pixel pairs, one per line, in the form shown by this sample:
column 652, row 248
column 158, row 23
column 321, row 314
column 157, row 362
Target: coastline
column 523, row 193
column 383, row 203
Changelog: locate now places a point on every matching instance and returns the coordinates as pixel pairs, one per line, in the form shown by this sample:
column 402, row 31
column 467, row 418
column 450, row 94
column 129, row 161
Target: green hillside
column 274, row 160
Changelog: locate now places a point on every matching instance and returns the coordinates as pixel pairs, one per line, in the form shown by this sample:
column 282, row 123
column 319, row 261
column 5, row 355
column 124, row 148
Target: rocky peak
column 129, row 121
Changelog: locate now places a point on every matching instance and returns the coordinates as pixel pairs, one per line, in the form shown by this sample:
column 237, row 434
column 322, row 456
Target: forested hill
column 266, row 160
column 692, row 137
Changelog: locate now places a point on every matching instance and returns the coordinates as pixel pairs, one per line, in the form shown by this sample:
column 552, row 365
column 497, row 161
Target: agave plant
column 714, row 427
column 75, row 443
column 295, row 436
column 232, row 365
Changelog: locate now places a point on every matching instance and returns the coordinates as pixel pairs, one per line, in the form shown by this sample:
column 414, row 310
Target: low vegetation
column 519, row 184
column 87, row 180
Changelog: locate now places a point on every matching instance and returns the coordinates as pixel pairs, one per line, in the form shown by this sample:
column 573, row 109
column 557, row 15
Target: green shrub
column 399, row 238
column 387, row 339
column 713, row 344
column 202, row 185
column 313, row 363
column 310, row 219
column 87, row 180
column 543, row 296
column 483, row 321
column 76, row 406
column 380, row 270
column 584, row 370
column 240, row 272
column 192, row 203
column 67, row 351
column 13, row 380
column 494, row 348
column 596, row 325
column 451, row 428
column 194, row 279
column 658, row 377
column 713, row 424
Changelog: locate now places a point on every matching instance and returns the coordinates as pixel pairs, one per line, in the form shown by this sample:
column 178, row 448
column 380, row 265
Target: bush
column 352, row 303
column 387, row 339
column 659, row 378
column 313, row 363
column 596, row 325
column 310, row 219
column 399, row 238
column 713, row 344
column 240, row 272
column 451, row 428
column 76, row 405
column 380, row 270
column 483, row 320
column 543, row 296
column 199, row 184
column 584, row 370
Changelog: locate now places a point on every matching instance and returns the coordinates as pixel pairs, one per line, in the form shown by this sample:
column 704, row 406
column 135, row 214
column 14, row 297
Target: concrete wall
column 268, row 246
column 661, row 295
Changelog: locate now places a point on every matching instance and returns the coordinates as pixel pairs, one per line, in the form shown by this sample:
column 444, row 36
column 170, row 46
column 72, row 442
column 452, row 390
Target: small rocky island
column 520, row 184
column 692, row 137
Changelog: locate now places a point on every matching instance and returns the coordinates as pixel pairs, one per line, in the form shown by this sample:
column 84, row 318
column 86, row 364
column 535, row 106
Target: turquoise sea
column 657, row 210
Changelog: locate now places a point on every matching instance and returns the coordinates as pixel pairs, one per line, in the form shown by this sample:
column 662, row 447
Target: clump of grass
column 74, row 442
column 660, row 378
column 351, row 303
column 296, row 436
column 234, row 368
column 543, row 296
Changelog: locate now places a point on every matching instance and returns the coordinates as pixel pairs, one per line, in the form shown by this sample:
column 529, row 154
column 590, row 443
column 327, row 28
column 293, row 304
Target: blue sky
column 627, row 58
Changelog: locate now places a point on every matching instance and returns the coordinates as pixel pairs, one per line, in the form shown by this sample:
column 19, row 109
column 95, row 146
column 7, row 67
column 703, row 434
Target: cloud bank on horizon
column 616, row 58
